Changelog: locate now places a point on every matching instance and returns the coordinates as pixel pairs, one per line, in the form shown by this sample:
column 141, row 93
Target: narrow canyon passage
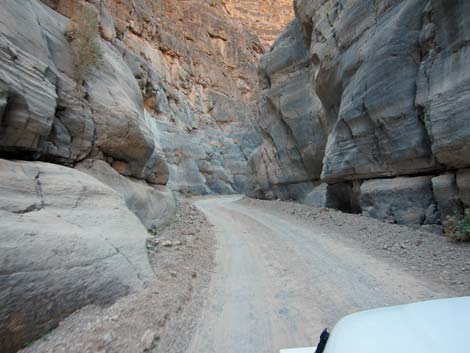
column 130, row 128
column 278, row 284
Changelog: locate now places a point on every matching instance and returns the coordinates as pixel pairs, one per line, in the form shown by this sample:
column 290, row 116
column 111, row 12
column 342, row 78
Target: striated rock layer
column 355, row 92
column 172, row 103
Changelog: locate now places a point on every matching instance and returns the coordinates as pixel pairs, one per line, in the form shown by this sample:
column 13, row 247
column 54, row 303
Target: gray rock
column 463, row 186
column 446, row 196
column 123, row 132
column 401, row 200
column 292, row 117
column 317, row 197
column 153, row 204
column 67, row 241
column 25, row 78
column 138, row 90
column 444, row 82
column 47, row 114
column 378, row 131
column 432, row 215
column 334, row 107
column 72, row 134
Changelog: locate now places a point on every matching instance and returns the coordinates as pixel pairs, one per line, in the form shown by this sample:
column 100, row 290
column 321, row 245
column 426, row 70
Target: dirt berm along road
column 278, row 283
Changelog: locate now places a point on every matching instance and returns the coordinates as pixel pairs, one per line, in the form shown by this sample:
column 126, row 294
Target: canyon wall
column 364, row 108
column 88, row 166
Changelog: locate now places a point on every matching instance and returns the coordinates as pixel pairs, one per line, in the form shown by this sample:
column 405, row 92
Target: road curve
column 278, row 284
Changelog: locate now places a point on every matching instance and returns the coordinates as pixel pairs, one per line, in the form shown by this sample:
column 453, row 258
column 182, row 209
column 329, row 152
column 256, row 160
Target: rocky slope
column 170, row 108
column 363, row 108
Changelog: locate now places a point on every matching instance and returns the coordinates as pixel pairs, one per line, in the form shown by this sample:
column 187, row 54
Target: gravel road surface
column 278, row 283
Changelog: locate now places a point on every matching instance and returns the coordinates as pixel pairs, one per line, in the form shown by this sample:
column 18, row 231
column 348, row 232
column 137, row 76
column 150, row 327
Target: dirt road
column 277, row 283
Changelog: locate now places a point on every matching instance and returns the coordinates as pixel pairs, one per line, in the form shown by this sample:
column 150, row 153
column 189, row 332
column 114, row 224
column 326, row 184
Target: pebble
column 147, row 339
column 167, row 243
column 108, row 338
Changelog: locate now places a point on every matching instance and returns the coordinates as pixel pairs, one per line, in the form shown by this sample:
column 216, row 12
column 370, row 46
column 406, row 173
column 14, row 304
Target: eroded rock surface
column 66, row 240
column 169, row 108
column 154, row 205
column 266, row 18
column 196, row 67
column 358, row 90
column 173, row 101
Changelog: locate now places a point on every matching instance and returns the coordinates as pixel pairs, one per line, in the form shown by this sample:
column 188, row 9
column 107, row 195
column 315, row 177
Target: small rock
column 147, row 339
column 108, row 338
column 167, row 243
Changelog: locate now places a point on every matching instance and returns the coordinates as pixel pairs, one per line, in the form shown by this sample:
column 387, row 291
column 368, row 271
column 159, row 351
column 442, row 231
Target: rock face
column 196, row 68
column 265, row 18
column 172, row 103
column 66, row 240
column 358, row 90
column 398, row 200
column 170, row 108
column 152, row 204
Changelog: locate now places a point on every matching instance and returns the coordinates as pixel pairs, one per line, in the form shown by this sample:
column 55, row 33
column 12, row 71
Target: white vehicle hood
column 437, row 326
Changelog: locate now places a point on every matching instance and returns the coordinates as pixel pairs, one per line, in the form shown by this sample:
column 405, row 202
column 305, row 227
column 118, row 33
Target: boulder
column 67, row 241
column 153, row 204
column 399, row 200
